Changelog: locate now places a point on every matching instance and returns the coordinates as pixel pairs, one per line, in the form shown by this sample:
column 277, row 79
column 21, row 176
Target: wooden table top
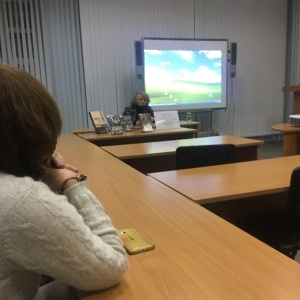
column 197, row 256
column 169, row 147
column 231, row 181
column 286, row 128
column 92, row 136
column 291, row 88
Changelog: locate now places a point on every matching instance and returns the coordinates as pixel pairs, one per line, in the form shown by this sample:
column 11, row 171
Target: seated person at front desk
column 51, row 223
column 139, row 105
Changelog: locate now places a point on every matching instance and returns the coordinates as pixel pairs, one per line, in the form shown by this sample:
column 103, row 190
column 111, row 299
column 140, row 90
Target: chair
column 204, row 155
column 279, row 230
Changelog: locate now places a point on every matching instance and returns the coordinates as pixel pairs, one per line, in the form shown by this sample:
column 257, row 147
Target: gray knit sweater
column 67, row 237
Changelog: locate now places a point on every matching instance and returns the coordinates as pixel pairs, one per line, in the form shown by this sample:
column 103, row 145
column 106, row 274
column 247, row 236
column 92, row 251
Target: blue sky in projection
column 197, row 66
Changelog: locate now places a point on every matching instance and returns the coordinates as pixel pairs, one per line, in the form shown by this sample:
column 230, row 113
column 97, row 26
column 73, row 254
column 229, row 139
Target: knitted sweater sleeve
column 69, row 238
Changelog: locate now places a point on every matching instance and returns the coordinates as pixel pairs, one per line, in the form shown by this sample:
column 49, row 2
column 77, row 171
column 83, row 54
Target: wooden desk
column 198, row 255
column 161, row 156
column 231, row 181
column 235, row 190
column 137, row 136
column 291, row 138
column 193, row 125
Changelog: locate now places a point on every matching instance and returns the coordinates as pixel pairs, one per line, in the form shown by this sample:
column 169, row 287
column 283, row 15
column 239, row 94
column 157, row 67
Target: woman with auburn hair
column 139, row 105
column 52, row 225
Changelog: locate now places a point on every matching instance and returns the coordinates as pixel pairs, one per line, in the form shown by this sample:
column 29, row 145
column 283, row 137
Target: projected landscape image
column 183, row 77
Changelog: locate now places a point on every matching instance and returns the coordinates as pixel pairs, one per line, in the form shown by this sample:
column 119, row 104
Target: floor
column 271, row 149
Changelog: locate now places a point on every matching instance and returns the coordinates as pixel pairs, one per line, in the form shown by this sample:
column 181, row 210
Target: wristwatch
column 78, row 177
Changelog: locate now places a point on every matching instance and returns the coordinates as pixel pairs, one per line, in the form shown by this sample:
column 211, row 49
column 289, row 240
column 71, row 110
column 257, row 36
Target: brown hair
column 30, row 122
column 144, row 95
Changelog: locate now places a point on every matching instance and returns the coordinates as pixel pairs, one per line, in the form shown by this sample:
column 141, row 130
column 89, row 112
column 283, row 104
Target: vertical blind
column 63, row 58
column 21, row 37
column 43, row 38
column 292, row 75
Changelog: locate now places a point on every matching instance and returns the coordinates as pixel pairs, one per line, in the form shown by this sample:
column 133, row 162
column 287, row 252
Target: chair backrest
column 293, row 203
column 204, row 155
column 293, row 207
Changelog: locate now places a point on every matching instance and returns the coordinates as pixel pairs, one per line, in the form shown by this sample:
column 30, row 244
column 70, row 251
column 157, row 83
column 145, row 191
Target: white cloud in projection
column 195, row 66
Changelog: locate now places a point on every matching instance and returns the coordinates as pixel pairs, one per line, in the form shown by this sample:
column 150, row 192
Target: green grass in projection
column 183, row 92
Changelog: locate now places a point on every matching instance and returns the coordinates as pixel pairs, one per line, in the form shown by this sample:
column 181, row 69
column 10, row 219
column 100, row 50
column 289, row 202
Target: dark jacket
column 134, row 110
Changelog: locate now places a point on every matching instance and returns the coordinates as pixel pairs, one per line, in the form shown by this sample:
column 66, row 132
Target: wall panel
column 292, row 53
column 109, row 29
column 259, row 29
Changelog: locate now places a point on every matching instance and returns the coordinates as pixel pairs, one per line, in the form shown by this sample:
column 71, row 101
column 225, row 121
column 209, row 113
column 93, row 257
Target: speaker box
column 233, row 50
column 138, row 53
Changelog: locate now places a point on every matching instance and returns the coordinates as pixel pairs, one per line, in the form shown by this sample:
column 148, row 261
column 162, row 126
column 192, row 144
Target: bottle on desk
column 189, row 117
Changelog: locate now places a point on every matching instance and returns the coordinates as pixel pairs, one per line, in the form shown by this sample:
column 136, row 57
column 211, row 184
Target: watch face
column 81, row 177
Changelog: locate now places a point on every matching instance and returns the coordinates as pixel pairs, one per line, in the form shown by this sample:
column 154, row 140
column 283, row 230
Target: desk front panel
column 197, row 256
